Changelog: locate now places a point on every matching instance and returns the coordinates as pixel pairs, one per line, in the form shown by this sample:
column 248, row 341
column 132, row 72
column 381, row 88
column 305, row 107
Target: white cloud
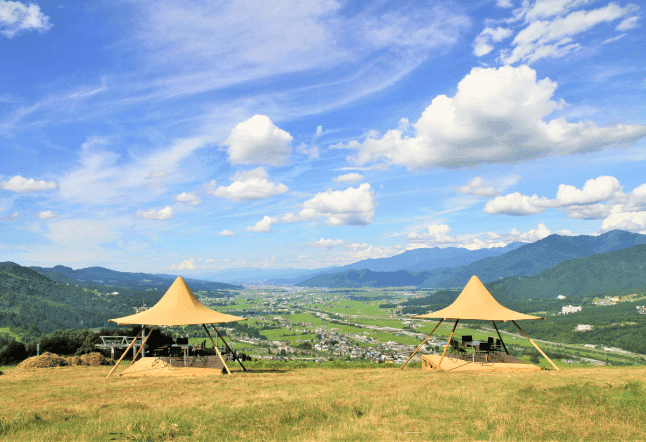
column 595, row 190
column 348, row 178
column 258, row 141
column 592, row 211
column 482, row 46
column 19, row 184
column 188, row 198
column 636, row 200
column 264, row 225
column 504, row 3
column 438, row 235
column 187, row 264
column 227, row 233
column 161, row 214
column 350, row 207
column 327, row 243
column 311, row 151
column 629, row 221
column 16, row 17
column 248, row 185
column 603, row 188
column 496, row 116
column 517, row 204
column 47, row 214
column 549, row 29
column 477, row 187
column 627, row 24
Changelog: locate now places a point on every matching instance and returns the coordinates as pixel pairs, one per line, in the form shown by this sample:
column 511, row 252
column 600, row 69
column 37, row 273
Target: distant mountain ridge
column 103, row 276
column 417, row 260
column 526, row 260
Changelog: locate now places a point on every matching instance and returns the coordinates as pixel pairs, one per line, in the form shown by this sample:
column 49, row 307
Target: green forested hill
column 99, row 276
column 34, row 304
column 609, row 272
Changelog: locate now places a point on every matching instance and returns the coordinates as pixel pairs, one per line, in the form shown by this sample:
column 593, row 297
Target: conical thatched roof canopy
column 178, row 306
column 475, row 302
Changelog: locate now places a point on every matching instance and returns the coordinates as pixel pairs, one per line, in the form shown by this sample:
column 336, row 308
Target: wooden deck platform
column 158, row 367
column 430, row 362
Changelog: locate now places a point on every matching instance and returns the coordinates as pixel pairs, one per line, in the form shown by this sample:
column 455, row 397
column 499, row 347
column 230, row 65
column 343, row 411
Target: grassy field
column 286, row 402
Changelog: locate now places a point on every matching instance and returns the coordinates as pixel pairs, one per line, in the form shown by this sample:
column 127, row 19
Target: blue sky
column 193, row 136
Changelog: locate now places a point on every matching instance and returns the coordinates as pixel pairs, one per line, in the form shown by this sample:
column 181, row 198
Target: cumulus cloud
column 327, row 243
column 16, row 18
column 264, row 225
column 188, row 198
column 248, row 185
column 47, row 214
column 498, row 115
column 186, row 264
column 348, row 178
column 439, row 235
column 477, row 187
column 161, row 214
column 636, row 200
column 592, row 211
column 603, row 188
column 19, row 184
column 629, row 221
column 350, row 207
column 258, row 141
column 227, row 233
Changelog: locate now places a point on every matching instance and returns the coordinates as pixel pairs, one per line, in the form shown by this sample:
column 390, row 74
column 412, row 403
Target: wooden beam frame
column 216, row 349
column 122, row 356
column 447, row 344
column 501, row 341
column 537, row 347
column 229, row 348
column 420, row 345
column 142, row 345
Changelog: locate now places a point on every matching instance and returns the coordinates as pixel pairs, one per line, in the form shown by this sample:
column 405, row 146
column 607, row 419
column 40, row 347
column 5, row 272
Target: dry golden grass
column 324, row 404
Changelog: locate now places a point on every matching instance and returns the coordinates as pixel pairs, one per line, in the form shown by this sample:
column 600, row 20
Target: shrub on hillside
column 13, row 353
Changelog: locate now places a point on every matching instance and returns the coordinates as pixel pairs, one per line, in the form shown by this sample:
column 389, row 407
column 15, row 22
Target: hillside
column 113, row 278
column 34, row 304
column 532, row 259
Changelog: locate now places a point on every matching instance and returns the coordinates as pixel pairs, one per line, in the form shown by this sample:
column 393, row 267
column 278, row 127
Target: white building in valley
column 570, row 309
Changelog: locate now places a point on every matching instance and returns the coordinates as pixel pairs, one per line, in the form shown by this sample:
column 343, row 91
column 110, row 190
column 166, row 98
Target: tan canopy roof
column 178, row 306
column 475, row 302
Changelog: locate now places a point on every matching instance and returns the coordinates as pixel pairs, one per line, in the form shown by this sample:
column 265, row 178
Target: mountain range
column 526, row 260
column 113, row 278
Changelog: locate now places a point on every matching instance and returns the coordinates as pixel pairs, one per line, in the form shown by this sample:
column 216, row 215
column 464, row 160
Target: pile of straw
column 47, row 360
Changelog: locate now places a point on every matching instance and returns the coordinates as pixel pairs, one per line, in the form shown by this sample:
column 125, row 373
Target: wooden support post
column 537, row 348
column 122, row 356
column 446, row 347
column 216, row 349
column 501, row 341
column 230, row 350
column 142, row 345
column 420, row 345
